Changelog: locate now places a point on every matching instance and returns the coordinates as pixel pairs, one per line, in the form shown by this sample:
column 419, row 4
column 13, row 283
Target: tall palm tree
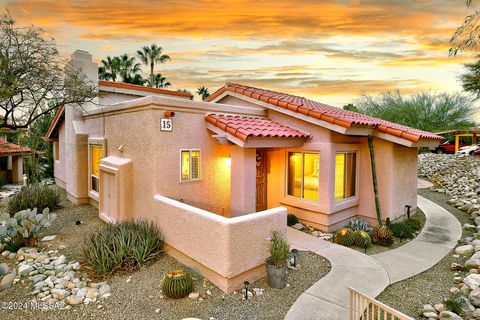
column 150, row 56
column 129, row 69
column 110, row 68
column 203, row 92
column 159, row 81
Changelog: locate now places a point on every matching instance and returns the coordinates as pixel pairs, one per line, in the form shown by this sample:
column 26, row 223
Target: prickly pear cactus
column 177, row 284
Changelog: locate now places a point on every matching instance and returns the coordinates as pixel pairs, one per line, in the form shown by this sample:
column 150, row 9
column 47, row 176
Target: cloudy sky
column 331, row 51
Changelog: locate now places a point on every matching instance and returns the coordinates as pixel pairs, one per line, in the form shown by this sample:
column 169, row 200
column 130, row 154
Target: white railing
column 365, row 308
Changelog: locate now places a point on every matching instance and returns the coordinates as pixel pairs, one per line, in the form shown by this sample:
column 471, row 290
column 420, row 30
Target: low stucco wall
column 227, row 246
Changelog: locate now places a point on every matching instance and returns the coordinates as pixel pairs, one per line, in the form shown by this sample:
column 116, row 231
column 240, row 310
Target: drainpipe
column 374, row 178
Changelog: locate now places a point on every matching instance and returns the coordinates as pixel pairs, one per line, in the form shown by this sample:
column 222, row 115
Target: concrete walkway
column 328, row 298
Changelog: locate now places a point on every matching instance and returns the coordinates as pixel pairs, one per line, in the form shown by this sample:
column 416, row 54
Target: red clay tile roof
column 11, row 148
column 325, row 112
column 244, row 127
column 143, row 88
column 55, row 121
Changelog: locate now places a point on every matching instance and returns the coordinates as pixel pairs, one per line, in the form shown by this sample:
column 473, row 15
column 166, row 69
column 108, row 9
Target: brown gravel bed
column 141, row 298
column 433, row 285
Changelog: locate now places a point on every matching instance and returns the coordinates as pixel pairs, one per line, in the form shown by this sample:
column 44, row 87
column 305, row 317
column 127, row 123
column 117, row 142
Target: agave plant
column 359, row 224
column 23, row 228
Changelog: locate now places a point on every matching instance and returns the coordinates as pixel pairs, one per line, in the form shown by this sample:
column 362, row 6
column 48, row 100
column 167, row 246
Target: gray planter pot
column 277, row 276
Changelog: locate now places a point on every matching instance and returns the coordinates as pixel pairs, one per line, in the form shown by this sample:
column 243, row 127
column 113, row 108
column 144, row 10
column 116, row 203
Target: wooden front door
column 261, row 187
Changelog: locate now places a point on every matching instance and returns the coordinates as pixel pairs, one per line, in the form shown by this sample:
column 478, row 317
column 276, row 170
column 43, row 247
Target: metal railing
column 366, row 308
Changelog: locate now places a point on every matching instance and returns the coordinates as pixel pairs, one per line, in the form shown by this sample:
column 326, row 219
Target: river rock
column 449, row 315
column 465, row 250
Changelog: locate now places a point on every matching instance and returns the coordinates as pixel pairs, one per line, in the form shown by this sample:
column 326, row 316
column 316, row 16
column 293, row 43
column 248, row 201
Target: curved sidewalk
column 329, row 298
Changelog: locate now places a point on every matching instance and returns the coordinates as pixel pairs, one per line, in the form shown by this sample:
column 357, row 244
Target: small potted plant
column 276, row 264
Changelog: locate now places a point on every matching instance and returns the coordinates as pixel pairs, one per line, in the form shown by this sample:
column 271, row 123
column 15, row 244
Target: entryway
column 261, row 181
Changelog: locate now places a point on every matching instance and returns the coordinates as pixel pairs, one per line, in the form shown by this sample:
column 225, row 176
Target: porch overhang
column 256, row 142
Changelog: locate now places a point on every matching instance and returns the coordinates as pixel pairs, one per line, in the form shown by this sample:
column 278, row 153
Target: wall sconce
column 246, row 283
column 169, row 114
column 407, row 210
column 293, row 261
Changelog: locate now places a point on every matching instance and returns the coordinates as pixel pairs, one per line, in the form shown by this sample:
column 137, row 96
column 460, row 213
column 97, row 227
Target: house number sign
column 166, row 124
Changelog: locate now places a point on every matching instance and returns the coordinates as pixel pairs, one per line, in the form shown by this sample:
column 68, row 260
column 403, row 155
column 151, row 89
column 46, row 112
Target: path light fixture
column 246, row 283
column 408, row 208
column 293, row 261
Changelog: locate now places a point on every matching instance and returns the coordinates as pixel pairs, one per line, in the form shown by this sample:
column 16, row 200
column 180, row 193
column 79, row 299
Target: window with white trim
column 303, row 180
column 96, row 153
column 345, row 175
column 190, row 165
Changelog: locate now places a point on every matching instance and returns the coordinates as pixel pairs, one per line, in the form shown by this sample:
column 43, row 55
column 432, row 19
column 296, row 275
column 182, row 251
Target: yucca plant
column 123, row 246
column 344, row 237
column 383, row 236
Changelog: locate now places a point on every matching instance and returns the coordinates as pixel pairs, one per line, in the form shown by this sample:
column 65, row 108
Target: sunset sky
column 330, row 51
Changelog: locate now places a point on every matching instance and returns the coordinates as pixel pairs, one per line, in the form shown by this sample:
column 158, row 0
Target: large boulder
column 474, row 297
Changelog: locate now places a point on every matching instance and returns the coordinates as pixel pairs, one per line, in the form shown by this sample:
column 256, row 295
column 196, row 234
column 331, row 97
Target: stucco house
column 11, row 161
column 218, row 176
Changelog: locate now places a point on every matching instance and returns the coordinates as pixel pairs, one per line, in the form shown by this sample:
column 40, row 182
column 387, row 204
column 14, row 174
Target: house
column 11, row 161
column 218, row 176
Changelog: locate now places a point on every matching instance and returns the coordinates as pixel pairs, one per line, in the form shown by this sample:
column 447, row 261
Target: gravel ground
column 375, row 248
column 433, row 285
column 140, row 298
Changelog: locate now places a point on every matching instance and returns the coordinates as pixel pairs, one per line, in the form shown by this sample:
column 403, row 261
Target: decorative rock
column 457, row 280
column 428, row 308
column 439, row 307
column 473, row 262
column 7, row 281
column 465, row 250
column 448, row 315
column 104, row 289
column 454, row 290
column 430, row 315
column 298, row 226
column 194, row 295
column 4, row 269
column 474, row 297
column 74, row 300
column 48, row 238
column 24, row 270
column 472, row 281
column 59, row 294
column 456, row 267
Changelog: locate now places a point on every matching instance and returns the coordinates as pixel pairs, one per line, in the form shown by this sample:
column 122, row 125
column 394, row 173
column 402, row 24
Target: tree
column 467, row 36
column 110, row 69
column 34, row 80
column 149, row 56
column 425, row 111
column 159, row 81
column 350, row 107
column 203, row 92
column 471, row 79
column 130, row 70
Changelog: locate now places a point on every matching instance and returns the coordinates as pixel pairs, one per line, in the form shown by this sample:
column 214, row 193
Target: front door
column 261, row 189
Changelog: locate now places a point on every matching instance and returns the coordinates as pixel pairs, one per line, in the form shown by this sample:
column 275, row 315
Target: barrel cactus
column 177, row 284
column 383, row 236
column 344, row 237
column 361, row 239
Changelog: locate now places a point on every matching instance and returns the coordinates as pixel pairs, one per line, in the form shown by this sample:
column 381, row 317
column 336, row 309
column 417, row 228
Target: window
column 190, row 163
column 303, row 175
column 56, row 151
column 96, row 154
column 345, row 175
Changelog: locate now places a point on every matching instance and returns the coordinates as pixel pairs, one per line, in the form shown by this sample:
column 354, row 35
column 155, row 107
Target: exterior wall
column 107, row 98
column 243, row 181
column 59, row 165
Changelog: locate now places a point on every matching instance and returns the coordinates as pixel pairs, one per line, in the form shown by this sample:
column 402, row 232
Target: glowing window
column 303, row 178
column 190, row 165
column 345, row 175
column 96, row 153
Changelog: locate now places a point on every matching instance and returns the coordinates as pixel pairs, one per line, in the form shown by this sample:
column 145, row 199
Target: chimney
column 83, row 60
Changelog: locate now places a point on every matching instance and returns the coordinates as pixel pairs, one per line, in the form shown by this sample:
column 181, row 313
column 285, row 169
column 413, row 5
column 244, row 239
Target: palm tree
column 150, row 56
column 129, row 69
column 203, row 92
column 159, row 81
column 110, row 68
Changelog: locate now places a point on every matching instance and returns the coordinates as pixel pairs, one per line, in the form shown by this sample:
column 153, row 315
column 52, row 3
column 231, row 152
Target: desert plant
column 279, row 250
column 383, row 236
column 24, row 227
column 123, row 245
column 456, row 303
column 344, row 237
column 359, row 224
column 401, row 230
column 177, row 284
column 361, row 239
column 414, row 224
column 35, row 196
column 291, row 219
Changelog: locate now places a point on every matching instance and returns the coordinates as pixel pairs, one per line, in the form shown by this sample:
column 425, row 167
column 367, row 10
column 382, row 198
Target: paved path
column 423, row 184
column 328, row 298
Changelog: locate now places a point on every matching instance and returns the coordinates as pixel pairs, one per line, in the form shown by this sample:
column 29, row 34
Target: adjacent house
column 218, row 176
column 11, row 161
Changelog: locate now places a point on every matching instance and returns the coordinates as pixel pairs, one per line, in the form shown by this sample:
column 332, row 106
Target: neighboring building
column 217, row 176
column 11, row 161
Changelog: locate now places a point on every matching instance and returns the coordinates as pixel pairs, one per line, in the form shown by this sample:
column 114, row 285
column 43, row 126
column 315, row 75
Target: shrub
column 361, row 239
column 414, row 224
column 22, row 229
column 279, row 250
column 383, row 236
column 35, row 196
column 456, row 304
column 344, row 237
column 177, row 284
column 401, row 230
column 124, row 245
column 291, row 219
column 359, row 224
